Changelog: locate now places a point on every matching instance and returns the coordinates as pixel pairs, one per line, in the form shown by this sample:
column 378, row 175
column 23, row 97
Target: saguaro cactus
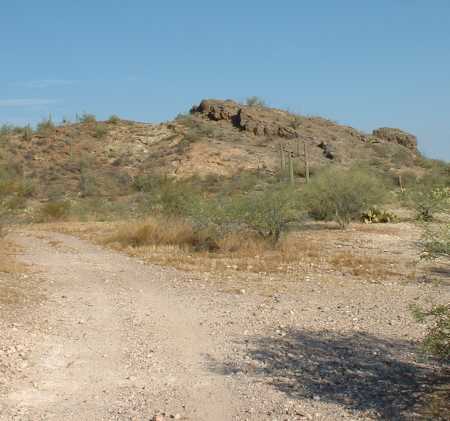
column 282, row 160
column 291, row 167
column 400, row 183
column 306, row 162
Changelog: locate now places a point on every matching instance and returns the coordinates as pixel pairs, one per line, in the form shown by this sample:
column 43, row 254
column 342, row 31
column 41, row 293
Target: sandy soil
column 111, row 338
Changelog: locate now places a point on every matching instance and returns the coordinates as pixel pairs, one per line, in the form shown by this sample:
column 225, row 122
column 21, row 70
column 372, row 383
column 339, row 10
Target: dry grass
column 317, row 250
column 243, row 244
column 364, row 266
column 155, row 232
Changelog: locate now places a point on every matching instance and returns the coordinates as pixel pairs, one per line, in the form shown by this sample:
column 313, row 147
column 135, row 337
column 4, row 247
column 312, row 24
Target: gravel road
column 116, row 339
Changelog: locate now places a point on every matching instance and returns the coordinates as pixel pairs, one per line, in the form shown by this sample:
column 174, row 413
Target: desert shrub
column 177, row 199
column 87, row 182
column 54, row 211
column 437, row 339
column 402, row 157
column 268, row 212
column 15, row 202
column 169, row 196
column 436, row 241
column 98, row 208
column 25, row 187
column 245, row 182
column 7, row 186
column 87, row 118
column 6, row 129
column 166, row 231
column 27, row 133
column 427, row 199
column 114, row 119
column 46, row 126
column 342, row 195
column 149, row 183
column 408, row 178
column 297, row 121
column 100, row 131
column 14, row 191
column 196, row 129
column 207, row 214
column 254, row 101
column 300, row 169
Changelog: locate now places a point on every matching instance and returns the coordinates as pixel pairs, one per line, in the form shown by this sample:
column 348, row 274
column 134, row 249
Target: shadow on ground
column 358, row 371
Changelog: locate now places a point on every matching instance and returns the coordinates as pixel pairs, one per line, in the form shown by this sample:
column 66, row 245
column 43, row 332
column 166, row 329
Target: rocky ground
column 103, row 336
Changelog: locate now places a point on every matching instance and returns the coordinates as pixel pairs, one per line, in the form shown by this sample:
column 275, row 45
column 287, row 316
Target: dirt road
column 115, row 339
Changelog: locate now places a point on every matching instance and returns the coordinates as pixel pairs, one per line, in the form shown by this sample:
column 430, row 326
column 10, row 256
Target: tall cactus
column 400, row 183
column 291, row 167
column 282, row 160
column 306, row 162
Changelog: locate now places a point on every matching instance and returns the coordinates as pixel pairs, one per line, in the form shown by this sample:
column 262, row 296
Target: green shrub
column 148, row 183
column 87, row 184
column 342, row 195
column 114, row 119
column 14, row 202
column 100, row 131
column 436, row 241
column 6, row 129
column 46, row 126
column 54, row 211
column 14, row 190
column 427, row 200
column 267, row 212
column 87, row 118
column 178, row 199
column 437, row 339
column 7, row 186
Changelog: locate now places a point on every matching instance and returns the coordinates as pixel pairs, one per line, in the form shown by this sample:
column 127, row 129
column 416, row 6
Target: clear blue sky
column 363, row 63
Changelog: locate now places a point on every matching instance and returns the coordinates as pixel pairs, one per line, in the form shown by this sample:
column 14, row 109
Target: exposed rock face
column 217, row 110
column 396, row 136
column 254, row 119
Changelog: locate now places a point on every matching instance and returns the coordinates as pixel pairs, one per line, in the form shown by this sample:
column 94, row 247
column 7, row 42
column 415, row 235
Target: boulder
column 328, row 150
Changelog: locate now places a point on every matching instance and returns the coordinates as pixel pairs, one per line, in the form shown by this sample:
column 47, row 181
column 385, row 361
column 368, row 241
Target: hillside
column 222, row 138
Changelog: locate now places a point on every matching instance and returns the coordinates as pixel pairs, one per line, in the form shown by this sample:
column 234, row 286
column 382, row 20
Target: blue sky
column 365, row 64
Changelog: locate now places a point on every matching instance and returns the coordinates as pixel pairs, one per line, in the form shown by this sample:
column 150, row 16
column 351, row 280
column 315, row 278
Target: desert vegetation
column 305, row 211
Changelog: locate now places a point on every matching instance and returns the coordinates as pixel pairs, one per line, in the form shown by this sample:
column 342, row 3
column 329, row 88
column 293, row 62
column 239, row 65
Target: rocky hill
column 217, row 137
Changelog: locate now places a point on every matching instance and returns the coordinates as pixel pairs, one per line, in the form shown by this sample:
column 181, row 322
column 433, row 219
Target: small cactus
column 377, row 216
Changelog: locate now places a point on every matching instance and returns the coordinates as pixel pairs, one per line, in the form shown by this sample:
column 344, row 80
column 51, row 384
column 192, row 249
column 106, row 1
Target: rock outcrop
column 396, row 136
column 257, row 120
